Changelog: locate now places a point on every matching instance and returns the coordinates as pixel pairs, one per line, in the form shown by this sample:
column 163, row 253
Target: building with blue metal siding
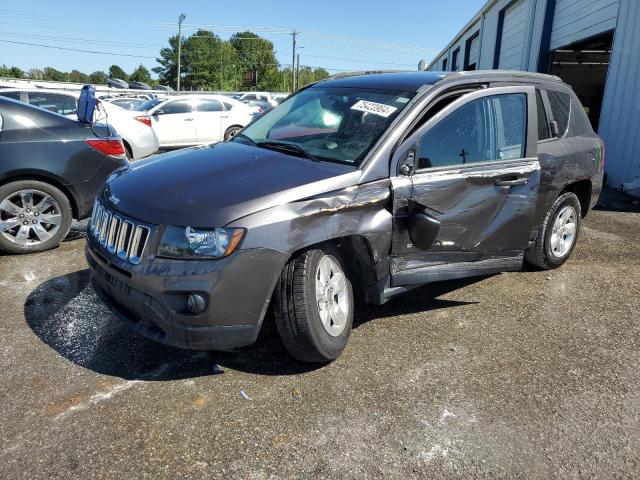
column 593, row 45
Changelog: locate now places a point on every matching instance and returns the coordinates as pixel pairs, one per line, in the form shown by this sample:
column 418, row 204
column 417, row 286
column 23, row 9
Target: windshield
column 333, row 124
column 149, row 104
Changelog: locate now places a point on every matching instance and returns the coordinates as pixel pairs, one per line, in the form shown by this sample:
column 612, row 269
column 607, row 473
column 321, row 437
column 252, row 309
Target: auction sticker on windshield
column 373, row 107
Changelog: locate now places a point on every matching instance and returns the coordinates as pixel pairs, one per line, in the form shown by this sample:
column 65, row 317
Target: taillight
column 111, row 146
column 143, row 119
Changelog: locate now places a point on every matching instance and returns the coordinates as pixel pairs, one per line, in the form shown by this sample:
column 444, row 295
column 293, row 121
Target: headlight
column 189, row 242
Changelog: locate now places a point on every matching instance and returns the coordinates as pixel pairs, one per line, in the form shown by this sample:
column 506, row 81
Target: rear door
column 174, row 123
column 208, row 116
column 467, row 205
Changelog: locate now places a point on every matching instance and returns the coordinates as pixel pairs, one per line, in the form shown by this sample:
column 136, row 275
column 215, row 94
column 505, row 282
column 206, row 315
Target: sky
column 335, row 34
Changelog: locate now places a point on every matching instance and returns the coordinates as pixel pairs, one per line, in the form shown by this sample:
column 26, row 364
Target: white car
column 135, row 128
column 259, row 96
column 186, row 120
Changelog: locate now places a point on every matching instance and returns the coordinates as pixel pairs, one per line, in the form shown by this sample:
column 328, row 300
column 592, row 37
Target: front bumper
column 150, row 297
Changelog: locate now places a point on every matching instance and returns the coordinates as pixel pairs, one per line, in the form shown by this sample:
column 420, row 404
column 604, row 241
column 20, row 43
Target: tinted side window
column 14, row 95
column 489, row 128
column 209, row 106
column 179, row 106
column 62, row 104
column 560, row 108
column 543, row 124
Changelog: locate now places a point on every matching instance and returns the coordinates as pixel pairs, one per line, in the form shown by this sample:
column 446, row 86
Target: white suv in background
column 135, row 128
column 186, row 120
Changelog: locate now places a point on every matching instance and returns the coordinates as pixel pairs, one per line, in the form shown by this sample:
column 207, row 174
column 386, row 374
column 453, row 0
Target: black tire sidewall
column 65, row 210
column 567, row 199
column 330, row 347
column 228, row 134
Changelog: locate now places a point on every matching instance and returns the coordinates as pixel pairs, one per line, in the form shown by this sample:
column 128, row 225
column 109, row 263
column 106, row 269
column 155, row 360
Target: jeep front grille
column 120, row 236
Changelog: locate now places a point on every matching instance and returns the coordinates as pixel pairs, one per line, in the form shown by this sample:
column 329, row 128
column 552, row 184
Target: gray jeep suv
column 361, row 186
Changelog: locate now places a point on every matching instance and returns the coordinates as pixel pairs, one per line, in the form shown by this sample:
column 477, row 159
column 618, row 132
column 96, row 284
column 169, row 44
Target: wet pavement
column 529, row 374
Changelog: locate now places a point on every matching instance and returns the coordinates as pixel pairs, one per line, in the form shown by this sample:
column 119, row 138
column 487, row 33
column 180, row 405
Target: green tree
column 210, row 63
column 140, row 74
column 16, row 72
column 77, row 76
column 52, row 74
column 98, row 77
column 116, row 72
column 256, row 53
column 168, row 60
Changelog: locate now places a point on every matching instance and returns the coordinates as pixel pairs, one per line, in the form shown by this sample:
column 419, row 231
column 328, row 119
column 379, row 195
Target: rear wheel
column 314, row 306
column 34, row 216
column 558, row 235
column 231, row 132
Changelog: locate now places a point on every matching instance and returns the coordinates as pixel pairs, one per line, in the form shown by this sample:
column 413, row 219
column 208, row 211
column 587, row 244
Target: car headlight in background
column 190, row 242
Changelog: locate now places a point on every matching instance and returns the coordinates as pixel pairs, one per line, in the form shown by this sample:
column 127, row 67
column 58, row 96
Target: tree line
column 208, row 62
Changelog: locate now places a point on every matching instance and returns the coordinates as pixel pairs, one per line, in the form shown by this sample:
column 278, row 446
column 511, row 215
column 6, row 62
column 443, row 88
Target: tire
column 553, row 246
column 47, row 224
column 299, row 311
column 231, row 132
column 128, row 151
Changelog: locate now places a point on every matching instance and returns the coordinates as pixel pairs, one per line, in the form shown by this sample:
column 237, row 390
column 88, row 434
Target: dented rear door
column 476, row 176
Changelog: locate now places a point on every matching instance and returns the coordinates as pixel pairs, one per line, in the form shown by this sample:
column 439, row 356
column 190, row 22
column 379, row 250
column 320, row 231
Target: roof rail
column 364, row 72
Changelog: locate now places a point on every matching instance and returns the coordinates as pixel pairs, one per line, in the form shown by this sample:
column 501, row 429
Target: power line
column 76, row 49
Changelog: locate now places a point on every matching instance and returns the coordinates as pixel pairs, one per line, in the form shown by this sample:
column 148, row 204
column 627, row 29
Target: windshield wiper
column 288, row 147
column 246, row 138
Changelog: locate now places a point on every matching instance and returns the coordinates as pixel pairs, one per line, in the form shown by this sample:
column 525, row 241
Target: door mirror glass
column 408, row 165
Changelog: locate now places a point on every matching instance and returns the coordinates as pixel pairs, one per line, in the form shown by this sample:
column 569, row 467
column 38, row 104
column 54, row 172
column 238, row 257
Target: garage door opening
column 584, row 66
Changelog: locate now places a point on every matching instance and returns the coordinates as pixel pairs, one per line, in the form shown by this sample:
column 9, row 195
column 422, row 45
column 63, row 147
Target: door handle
column 224, row 116
column 188, row 119
column 511, row 182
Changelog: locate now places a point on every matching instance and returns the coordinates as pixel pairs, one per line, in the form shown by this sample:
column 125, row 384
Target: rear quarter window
column 560, row 109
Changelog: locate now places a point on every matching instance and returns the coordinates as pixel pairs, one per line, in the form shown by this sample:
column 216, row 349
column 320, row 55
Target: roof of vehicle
column 412, row 81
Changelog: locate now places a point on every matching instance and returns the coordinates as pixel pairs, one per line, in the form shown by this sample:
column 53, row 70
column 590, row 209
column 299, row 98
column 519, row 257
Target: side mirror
column 423, row 228
column 159, row 112
column 408, row 164
column 555, row 130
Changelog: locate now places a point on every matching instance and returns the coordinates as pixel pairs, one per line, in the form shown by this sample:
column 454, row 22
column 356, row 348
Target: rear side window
column 209, row 106
column 61, row 104
column 486, row 129
column 560, row 108
column 14, row 95
column 179, row 106
column 543, row 124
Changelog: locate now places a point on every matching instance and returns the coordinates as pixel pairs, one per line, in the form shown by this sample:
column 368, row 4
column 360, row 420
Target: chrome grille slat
column 119, row 236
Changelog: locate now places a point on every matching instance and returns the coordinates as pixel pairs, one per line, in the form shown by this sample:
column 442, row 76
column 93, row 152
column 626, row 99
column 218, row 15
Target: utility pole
column 294, row 34
column 298, row 69
column 180, row 20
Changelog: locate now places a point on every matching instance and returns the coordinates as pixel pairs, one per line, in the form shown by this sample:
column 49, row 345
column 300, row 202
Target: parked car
column 258, row 106
column 134, row 127
column 185, row 120
column 117, row 83
column 258, row 96
column 163, row 88
column 362, row 186
column 279, row 97
column 51, row 169
column 128, row 103
column 139, row 86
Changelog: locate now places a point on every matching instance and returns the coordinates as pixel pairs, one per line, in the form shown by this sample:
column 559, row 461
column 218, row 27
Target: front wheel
column 558, row 235
column 34, row 216
column 231, row 132
column 314, row 306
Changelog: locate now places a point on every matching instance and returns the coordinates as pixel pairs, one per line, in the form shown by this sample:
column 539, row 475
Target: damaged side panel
column 359, row 210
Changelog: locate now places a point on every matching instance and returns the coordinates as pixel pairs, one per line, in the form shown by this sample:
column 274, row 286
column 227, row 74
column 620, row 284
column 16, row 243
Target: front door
column 466, row 188
column 208, row 118
column 174, row 123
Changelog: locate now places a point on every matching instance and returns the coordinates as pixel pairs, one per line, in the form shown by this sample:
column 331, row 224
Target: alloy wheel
column 29, row 217
column 563, row 233
column 332, row 297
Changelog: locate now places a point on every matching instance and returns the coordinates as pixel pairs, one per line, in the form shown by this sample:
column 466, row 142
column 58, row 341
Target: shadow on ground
column 66, row 314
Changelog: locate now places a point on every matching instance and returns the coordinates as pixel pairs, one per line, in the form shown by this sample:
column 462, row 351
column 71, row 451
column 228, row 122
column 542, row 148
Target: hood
column 217, row 184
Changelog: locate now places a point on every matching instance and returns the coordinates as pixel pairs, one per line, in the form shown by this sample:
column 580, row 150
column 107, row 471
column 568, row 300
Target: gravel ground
column 529, row 374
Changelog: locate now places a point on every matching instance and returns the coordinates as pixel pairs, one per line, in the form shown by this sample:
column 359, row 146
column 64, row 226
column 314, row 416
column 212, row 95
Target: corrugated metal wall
column 620, row 117
column 579, row 19
column 514, row 28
